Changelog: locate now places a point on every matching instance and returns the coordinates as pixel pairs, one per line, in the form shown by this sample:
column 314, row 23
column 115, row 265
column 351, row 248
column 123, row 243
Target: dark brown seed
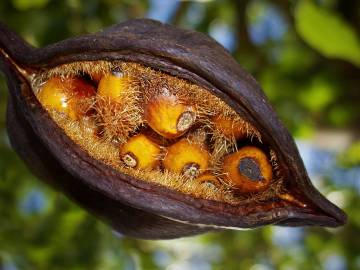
column 250, row 168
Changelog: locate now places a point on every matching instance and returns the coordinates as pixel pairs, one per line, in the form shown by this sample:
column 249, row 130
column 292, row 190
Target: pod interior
column 161, row 129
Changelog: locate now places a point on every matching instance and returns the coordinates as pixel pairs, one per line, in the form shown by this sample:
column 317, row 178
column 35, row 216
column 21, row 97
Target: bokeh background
column 306, row 56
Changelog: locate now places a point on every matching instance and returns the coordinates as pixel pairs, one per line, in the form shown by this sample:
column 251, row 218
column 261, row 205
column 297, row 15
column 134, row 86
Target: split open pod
column 157, row 131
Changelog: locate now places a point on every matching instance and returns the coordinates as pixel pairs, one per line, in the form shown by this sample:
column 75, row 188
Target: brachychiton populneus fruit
column 157, row 131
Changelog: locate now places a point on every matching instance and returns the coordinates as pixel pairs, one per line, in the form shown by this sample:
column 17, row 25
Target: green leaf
column 327, row 32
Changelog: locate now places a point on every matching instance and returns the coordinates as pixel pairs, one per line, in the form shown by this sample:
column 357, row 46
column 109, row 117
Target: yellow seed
column 186, row 158
column 113, row 86
column 170, row 118
column 140, row 152
column 249, row 169
column 65, row 95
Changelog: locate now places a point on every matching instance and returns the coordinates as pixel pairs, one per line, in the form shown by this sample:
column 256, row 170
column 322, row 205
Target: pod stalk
column 12, row 49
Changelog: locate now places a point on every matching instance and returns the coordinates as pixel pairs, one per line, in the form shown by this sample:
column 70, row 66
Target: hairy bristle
column 80, row 68
column 84, row 134
column 118, row 119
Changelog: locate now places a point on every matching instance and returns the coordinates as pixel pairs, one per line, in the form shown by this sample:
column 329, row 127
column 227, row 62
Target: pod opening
column 161, row 129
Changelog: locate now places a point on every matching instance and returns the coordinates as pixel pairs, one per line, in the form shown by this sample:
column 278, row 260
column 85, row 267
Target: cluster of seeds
column 158, row 128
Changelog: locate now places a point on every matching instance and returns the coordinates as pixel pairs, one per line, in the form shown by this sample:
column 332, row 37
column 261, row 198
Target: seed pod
column 187, row 158
column 134, row 203
column 248, row 169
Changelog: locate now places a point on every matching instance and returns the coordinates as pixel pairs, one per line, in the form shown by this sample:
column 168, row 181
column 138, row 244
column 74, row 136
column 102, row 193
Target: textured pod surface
column 136, row 207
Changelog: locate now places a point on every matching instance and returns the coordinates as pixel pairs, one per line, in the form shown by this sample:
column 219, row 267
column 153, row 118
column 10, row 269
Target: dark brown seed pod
column 138, row 206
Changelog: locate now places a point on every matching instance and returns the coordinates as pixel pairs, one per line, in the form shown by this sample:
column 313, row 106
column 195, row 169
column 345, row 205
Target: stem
column 12, row 46
column 13, row 49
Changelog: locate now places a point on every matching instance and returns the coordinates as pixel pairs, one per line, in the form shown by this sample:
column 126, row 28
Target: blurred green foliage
column 327, row 32
column 306, row 58
column 351, row 156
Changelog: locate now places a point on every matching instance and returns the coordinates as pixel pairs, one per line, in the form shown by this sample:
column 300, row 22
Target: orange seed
column 248, row 169
column 140, row 152
column 170, row 118
column 229, row 128
column 187, row 158
column 66, row 95
column 209, row 180
column 113, row 85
